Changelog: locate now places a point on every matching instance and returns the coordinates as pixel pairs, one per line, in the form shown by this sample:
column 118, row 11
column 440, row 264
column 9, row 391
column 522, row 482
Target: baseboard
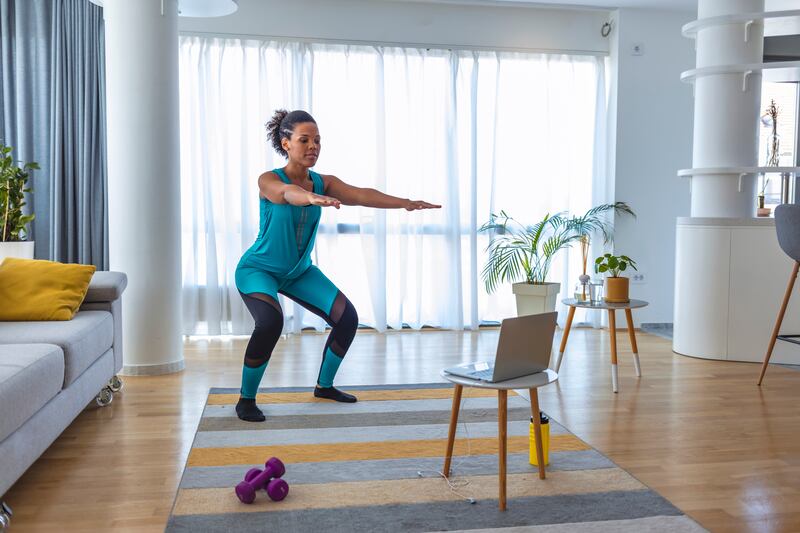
column 153, row 370
column 661, row 329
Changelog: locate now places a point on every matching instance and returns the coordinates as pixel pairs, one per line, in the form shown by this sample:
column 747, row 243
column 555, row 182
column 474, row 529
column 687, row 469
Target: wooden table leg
column 612, row 329
column 451, row 435
column 537, row 430
column 502, row 415
column 632, row 334
column 564, row 337
column 779, row 321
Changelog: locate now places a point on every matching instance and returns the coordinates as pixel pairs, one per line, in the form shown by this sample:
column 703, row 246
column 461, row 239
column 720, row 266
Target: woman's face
column 304, row 146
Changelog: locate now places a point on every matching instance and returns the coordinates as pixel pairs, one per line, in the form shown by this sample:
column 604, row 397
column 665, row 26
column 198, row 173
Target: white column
column 143, row 178
column 725, row 116
column 730, row 273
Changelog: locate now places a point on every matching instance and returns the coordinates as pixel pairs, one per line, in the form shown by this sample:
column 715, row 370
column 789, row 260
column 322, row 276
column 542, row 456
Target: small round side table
column 572, row 303
column 531, row 382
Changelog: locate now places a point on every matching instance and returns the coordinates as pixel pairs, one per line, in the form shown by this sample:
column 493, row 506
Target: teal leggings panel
column 251, row 379
column 311, row 287
column 328, row 368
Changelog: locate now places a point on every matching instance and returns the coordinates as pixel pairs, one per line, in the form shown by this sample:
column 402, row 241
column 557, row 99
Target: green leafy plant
column 518, row 251
column 595, row 221
column 613, row 264
column 13, row 179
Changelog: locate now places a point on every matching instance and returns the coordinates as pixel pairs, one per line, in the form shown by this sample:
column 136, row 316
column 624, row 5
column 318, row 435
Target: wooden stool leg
column 564, row 338
column 502, row 415
column 537, row 430
column 632, row 334
column 779, row 321
column 451, row 435
column 612, row 328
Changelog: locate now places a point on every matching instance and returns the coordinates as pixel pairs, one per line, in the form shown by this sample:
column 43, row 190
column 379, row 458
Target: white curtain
column 475, row 131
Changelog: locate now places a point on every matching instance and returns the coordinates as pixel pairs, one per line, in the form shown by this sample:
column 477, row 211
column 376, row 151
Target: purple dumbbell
column 269, row 479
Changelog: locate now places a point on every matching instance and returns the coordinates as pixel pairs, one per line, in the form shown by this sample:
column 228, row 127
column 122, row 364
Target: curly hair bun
column 282, row 124
column 274, row 130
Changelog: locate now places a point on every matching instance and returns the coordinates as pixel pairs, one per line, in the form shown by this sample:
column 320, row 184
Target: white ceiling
column 671, row 5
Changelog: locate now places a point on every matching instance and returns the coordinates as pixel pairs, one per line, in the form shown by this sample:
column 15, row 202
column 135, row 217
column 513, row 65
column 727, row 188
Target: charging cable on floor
column 454, row 485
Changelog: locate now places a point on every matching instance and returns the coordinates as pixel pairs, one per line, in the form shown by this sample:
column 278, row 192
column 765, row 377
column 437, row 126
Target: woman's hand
column 323, row 201
column 413, row 205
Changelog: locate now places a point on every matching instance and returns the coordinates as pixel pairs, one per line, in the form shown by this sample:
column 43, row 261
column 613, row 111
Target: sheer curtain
column 474, row 131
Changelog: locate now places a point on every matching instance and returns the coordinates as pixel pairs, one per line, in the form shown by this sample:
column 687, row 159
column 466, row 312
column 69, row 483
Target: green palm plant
column 12, row 196
column 518, row 250
column 596, row 221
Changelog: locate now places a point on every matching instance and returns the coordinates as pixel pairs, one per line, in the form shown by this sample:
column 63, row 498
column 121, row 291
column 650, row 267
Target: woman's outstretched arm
column 350, row 195
column 278, row 192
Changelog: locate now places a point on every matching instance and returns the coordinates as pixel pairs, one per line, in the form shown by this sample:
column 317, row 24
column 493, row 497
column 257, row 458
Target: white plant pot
column 534, row 299
column 22, row 250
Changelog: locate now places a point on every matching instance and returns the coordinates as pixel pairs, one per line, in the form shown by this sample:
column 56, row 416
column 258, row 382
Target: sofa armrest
column 106, row 286
column 104, row 294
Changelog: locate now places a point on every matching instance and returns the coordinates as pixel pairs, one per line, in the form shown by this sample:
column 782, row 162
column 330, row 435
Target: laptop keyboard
column 483, row 374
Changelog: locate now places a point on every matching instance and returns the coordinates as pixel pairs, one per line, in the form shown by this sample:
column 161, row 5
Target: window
column 475, row 131
column 785, row 96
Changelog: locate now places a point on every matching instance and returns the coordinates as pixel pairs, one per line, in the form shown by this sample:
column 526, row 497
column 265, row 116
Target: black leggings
column 268, row 316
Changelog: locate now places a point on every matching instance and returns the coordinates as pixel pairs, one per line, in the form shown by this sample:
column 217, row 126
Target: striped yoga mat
column 372, row 466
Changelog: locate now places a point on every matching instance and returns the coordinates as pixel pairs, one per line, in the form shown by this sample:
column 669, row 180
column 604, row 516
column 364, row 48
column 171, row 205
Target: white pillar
column 730, row 273
column 144, row 179
column 725, row 116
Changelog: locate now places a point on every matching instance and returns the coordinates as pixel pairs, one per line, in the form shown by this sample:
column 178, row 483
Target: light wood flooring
column 699, row 432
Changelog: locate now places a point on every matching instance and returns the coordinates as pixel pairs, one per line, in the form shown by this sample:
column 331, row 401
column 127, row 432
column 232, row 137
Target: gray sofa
column 50, row 371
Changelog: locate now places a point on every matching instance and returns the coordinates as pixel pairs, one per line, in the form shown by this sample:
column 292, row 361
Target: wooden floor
column 699, row 432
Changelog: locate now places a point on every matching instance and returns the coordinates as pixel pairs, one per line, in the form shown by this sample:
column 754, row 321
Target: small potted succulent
column 13, row 222
column 616, row 285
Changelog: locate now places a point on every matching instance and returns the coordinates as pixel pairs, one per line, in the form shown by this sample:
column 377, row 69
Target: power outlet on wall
column 638, row 278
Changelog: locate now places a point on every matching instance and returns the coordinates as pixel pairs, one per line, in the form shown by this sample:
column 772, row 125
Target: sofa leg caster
column 5, row 516
column 115, row 384
column 104, row 397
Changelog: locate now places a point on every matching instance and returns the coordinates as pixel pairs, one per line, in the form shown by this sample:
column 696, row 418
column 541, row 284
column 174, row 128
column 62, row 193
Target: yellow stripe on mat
column 363, row 395
column 405, row 491
column 368, row 451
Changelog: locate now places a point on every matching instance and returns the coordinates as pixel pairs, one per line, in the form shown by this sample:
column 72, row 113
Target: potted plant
column 13, row 233
column 526, row 252
column 595, row 220
column 770, row 120
column 616, row 285
column 763, row 192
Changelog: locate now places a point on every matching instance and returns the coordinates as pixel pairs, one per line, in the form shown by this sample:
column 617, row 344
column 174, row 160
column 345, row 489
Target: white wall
column 654, row 122
column 504, row 27
column 650, row 119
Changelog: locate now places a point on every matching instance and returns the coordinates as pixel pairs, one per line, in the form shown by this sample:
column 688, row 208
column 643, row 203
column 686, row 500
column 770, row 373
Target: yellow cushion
column 31, row 289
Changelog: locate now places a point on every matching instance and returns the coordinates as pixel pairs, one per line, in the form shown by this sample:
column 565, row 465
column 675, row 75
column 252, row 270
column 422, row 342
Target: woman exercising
column 279, row 261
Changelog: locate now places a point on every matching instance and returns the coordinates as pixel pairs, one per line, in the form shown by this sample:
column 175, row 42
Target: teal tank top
column 286, row 234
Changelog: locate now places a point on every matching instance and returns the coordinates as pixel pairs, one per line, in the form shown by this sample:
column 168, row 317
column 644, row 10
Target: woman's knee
column 349, row 319
column 344, row 329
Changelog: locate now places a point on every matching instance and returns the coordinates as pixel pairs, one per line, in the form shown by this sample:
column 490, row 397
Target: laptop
column 524, row 348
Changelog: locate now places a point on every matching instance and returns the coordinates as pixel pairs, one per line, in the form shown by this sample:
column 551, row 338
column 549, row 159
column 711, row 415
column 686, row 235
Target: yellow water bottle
column 545, row 440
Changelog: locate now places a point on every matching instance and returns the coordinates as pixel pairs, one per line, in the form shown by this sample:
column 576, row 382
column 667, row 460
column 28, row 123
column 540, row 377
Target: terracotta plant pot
column 617, row 290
